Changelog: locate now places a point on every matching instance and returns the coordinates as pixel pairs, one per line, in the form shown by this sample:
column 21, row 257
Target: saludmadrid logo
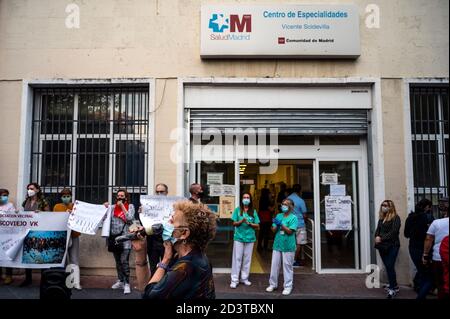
column 230, row 27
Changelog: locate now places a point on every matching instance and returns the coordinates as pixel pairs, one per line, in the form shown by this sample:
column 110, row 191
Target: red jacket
column 443, row 251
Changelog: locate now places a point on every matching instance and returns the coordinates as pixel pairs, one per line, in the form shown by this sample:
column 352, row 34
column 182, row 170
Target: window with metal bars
column 429, row 129
column 93, row 140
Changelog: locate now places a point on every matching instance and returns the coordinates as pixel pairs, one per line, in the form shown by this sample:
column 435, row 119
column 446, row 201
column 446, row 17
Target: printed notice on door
column 338, row 213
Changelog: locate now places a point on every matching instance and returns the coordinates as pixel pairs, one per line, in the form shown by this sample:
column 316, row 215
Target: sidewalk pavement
column 306, row 286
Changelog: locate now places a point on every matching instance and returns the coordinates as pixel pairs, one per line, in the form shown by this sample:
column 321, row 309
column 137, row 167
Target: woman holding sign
column 35, row 201
column 122, row 216
column 66, row 205
column 245, row 222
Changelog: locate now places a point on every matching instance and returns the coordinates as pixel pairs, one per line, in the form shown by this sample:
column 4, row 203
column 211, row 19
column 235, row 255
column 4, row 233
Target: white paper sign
column 338, row 213
column 156, row 209
column 337, row 190
column 329, row 178
column 86, row 218
column 214, row 178
column 33, row 240
column 222, row 190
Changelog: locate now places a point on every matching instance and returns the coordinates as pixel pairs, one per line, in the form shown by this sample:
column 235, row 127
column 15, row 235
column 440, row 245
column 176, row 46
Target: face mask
column 284, row 208
column 246, row 201
column 384, row 209
column 4, row 199
column 200, row 194
column 31, row 193
column 121, row 199
column 66, row 200
column 168, row 232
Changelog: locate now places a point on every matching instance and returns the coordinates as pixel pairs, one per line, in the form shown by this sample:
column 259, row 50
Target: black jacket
column 416, row 227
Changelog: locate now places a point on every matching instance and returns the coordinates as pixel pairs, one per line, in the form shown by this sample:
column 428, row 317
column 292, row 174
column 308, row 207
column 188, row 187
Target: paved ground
column 306, row 286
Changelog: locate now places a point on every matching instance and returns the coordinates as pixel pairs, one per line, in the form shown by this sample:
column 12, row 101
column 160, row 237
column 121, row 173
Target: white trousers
column 242, row 259
column 288, row 268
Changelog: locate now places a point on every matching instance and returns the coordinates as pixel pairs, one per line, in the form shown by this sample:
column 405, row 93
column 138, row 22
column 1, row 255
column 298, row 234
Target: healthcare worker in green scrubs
column 245, row 222
column 284, row 246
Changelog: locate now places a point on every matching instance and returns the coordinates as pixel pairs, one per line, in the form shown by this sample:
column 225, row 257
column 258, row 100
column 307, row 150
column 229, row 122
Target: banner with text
column 33, row 240
column 156, row 209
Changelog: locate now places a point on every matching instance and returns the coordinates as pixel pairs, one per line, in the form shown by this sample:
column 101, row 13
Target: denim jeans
column 423, row 278
column 389, row 259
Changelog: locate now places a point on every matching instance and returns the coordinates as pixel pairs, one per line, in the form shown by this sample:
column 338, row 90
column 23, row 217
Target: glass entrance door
column 339, row 236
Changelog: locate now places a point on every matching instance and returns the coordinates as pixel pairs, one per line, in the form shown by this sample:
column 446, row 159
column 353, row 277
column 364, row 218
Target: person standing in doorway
column 436, row 233
column 387, row 242
column 301, row 235
column 73, row 251
column 245, row 222
column 196, row 191
column 35, row 201
column 284, row 226
column 6, row 207
column 123, row 215
column 265, row 213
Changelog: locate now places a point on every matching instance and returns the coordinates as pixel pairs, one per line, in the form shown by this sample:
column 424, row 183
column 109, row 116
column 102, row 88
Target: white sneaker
column 246, row 282
column 270, row 288
column 126, row 289
column 233, row 285
column 287, row 291
column 117, row 285
column 77, row 286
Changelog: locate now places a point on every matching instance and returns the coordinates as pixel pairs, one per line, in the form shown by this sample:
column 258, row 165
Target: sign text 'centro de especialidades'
column 277, row 31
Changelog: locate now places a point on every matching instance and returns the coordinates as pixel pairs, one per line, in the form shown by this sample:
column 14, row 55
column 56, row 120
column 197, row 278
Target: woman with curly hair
column 184, row 272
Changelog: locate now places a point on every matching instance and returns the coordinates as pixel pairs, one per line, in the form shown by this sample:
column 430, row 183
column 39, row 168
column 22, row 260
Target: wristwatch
column 163, row 266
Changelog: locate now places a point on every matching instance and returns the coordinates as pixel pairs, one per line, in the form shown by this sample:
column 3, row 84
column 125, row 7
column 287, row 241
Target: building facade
column 111, row 94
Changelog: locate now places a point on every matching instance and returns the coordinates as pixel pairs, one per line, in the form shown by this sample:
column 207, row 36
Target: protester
column 34, row 201
column 184, row 272
column 387, row 242
column 6, row 206
column 245, row 222
column 155, row 247
column 196, row 191
column 73, row 251
column 301, row 234
column 436, row 233
column 284, row 225
column 416, row 226
column 265, row 213
column 123, row 214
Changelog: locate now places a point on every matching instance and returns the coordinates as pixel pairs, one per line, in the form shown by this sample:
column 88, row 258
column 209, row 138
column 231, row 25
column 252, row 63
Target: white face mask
column 31, row 193
column 385, row 209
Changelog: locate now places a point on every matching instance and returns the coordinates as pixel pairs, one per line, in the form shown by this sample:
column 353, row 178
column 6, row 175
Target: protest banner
column 33, row 240
column 86, row 218
column 156, row 209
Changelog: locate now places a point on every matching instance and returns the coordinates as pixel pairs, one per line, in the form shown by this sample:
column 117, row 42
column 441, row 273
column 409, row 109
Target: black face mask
column 200, row 194
column 122, row 199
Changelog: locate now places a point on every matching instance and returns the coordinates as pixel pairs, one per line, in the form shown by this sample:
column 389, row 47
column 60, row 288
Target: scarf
column 119, row 213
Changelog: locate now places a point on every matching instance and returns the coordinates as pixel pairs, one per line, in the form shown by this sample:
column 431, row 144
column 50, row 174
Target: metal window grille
column 93, row 140
column 429, row 129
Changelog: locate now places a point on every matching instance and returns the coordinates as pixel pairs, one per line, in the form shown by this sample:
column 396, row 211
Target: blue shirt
column 299, row 208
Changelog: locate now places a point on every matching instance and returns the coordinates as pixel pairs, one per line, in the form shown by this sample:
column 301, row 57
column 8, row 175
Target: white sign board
column 156, row 209
column 338, row 213
column 280, row 31
column 222, row 190
column 214, row 178
column 86, row 218
column 33, row 240
column 329, row 178
column 337, row 190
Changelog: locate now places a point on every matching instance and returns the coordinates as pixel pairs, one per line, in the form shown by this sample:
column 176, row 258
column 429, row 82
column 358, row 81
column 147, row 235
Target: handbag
column 383, row 247
column 112, row 245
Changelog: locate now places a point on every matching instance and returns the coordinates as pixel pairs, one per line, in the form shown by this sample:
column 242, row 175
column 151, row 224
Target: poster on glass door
column 338, row 213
